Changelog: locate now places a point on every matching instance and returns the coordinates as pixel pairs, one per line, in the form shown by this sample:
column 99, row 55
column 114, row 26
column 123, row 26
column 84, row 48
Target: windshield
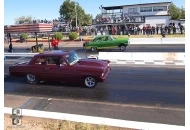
column 72, row 58
column 113, row 38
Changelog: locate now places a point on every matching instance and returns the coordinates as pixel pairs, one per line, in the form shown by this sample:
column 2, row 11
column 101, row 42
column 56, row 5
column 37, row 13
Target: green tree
column 23, row 18
column 182, row 13
column 98, row 16
column 175, row 12
column 67, row 11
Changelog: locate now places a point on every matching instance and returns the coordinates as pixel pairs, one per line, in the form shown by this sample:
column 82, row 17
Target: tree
column 23, row 18
column 67, row 11
column 98, row 16
column 175, row 12
column 182, row 13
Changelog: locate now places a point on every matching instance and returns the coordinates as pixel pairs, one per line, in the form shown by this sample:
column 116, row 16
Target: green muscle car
column 106, row 41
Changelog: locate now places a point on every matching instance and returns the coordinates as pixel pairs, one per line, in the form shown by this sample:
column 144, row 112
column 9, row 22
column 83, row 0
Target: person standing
column 157, row 29
column 144, row 30
column 138, row 30
column 153, row 30
column 101, row 30
column 54, row 43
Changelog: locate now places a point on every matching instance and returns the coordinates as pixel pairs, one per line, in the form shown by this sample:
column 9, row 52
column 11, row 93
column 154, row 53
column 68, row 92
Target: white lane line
column 179, row 63
column 94, row 120
column 139, row 63
column 159, row 63
column 120, row 62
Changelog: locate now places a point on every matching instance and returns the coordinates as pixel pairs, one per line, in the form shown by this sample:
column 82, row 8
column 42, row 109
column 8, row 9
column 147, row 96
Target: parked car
column 63, row 66
column 106, row 41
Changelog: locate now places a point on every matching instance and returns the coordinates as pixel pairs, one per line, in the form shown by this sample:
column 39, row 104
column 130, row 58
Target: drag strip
column 131, row 92
column 130, row 48
column 148, row 86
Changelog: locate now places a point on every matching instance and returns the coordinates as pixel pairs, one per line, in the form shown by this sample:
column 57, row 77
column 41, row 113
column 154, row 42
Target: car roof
column 54, row 53
column 102, row 36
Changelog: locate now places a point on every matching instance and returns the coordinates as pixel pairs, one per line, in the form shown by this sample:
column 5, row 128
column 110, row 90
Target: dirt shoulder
column 34, row 123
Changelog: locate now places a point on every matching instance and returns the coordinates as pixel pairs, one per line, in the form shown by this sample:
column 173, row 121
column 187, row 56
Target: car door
column 57, row 69
column 37, row 68
column 107, row 42
column 101, row 43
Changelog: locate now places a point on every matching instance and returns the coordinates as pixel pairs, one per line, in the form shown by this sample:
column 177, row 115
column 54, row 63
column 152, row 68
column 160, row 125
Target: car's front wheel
column 31, row 79
column 93, row 49
column 122, row 47
column 90, row 82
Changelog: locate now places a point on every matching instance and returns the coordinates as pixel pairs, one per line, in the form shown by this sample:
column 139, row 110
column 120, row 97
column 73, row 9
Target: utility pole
column 76, row 12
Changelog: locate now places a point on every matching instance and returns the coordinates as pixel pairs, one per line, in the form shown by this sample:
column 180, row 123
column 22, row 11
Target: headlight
column 102, row 74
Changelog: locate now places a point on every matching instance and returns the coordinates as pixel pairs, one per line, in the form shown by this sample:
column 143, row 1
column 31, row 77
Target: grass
column 68, row 125
column 35, row 123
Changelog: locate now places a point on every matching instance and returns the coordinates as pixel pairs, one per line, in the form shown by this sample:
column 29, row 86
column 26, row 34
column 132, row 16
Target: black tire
column 90, row 82
column 84, row 46
column 30, row 78
column 93, row 49
column 122, row 47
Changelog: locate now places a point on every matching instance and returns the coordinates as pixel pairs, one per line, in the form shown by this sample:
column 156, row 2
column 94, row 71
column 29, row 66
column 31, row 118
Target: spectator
column 101, row 30
column 54, row 43
column 144, row 30
column 157, row 29
column 138, row 30
column 153, row 30
column 135, row 30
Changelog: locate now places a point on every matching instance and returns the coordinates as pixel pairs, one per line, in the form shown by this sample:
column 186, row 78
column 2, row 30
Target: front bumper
column 103, row 78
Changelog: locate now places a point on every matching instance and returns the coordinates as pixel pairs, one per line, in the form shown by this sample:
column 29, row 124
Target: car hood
column 21, row 63
column 92, row 62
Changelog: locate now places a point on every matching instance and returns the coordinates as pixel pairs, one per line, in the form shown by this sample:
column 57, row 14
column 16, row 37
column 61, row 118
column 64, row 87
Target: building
column 153, row 14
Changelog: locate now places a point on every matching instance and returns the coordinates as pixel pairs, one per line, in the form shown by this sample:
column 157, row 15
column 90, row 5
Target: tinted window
column 52, row 60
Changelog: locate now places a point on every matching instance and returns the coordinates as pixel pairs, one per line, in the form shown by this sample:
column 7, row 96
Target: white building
column 155, row 13
column 152, row 14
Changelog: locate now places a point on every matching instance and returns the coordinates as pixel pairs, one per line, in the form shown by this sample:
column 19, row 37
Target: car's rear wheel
column 31, row 79
column 90, row 82
column 93, row 48
column 122, row 47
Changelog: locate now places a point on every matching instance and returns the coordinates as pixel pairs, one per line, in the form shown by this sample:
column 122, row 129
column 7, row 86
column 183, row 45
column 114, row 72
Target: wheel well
column 121, row 44
column 84, row 76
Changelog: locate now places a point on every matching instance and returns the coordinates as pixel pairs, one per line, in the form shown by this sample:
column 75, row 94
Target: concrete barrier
column 157, row 40
column 142, row 56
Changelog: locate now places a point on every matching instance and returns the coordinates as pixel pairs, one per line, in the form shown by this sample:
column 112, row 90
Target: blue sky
column 49, row 9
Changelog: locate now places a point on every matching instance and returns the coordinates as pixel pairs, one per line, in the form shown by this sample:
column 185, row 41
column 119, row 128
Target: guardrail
column 167, row 56
column 170, row 56
column 19, row 54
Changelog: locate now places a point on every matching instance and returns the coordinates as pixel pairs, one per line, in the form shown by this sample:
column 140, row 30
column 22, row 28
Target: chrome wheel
column 90, row 82
column 122, row 47
column 31, row 78
column 94, row 49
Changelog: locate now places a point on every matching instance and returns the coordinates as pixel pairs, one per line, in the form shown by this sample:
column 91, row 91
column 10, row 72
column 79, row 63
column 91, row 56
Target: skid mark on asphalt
column 36, row 104
column 40, row 103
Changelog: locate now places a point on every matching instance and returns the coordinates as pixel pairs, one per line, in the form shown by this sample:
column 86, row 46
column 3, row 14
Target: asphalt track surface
column 152, row 90
column 130, row 48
